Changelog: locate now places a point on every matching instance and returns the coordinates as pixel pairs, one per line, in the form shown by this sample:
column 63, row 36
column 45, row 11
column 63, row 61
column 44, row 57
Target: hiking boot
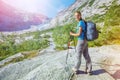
column 74, row 70
column 90, row 73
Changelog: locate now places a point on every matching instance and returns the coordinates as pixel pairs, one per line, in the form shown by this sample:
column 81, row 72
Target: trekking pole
column 74, row 45
column 73, row 38
column 68, row 46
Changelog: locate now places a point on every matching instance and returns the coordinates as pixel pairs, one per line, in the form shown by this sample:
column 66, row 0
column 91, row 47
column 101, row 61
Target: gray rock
column 19, row 55
column 52, row 66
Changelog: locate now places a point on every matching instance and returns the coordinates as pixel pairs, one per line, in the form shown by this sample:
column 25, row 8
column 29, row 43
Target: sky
column 46, row 7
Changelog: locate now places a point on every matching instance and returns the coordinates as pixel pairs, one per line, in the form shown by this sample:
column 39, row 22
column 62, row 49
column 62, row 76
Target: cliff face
column 12, row 19
column 88, row 8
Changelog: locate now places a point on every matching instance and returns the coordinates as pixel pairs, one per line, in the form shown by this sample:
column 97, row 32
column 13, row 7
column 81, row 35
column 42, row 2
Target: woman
column 82, row 45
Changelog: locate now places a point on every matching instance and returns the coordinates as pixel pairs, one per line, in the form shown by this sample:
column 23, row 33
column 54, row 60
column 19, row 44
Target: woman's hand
column 71, row 33
column 76, row 34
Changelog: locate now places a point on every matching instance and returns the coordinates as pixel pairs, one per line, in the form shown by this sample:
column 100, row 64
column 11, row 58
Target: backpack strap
column 85, row 31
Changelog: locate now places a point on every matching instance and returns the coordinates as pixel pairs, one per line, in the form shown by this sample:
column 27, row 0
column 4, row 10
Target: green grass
column 91, row 2
column 96, row 18
column 109, row 33
column 8, row 47
column 26, row 55
column 61, row 35
column 32, row 45
column 112, row 17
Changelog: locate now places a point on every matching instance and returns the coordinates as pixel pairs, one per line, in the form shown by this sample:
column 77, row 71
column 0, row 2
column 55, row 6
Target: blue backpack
column 91, row 32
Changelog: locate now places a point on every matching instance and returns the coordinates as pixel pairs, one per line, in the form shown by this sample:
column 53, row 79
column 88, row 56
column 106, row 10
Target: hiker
column 82, row 45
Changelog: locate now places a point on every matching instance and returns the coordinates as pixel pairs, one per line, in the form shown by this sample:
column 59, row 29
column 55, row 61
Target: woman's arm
column 76, row 34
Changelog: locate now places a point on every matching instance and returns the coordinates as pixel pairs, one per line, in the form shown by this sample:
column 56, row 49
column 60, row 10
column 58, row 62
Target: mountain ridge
column 12, row 19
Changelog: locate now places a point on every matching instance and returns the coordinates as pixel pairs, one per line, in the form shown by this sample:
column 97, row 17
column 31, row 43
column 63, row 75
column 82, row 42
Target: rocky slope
column 87, row 7
column 52, row 66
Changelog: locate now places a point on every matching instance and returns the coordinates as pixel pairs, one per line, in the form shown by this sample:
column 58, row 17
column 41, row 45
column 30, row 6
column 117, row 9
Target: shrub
column 8, row 49
column 61, row 35
column 91, row 2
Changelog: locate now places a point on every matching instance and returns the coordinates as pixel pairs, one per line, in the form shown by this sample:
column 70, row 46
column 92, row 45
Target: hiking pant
column 82, row 48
